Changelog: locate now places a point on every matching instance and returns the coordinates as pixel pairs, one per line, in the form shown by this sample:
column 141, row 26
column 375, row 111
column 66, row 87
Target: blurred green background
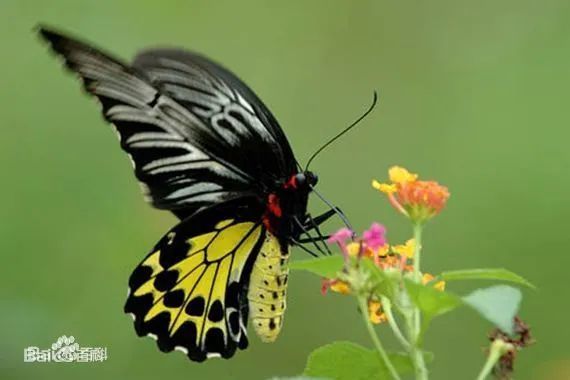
column 473, row 94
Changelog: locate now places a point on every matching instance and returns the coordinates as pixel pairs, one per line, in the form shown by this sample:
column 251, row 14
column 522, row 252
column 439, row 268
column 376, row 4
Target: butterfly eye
column 310, row 178
column 300, row 180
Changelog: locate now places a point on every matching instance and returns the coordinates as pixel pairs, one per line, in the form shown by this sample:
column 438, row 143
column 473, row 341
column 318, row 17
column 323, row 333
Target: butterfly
column 204, row 147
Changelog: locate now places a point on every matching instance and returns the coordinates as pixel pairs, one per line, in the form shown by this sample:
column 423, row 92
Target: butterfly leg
column 319, row 219
column 313, row 223
column 305, row 231
column 321, row 238
column 299, row 243
column 312, row 239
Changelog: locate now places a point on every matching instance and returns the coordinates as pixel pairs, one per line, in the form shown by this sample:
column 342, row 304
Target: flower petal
column 406, row 249
column 353, row 249
column 375, row 236
column 375, row 312
column 339, row 286
column 341, row 236
column 399, row 174
column 384, row 187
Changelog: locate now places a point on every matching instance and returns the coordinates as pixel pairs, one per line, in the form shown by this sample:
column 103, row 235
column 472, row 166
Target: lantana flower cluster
column 374, row 246
column 387, row 278
column 419, row 201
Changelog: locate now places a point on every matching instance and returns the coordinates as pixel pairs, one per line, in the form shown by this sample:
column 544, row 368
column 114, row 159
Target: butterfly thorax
column 286, row 207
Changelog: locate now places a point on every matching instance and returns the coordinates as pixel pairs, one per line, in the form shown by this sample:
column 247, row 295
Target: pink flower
column 341, row 236
column 375, row 236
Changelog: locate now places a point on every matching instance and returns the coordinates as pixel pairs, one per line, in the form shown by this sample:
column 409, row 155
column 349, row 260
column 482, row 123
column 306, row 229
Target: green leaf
column 430, row 301
column 485, row 274
column 498, row 304
column 385, row 283
column 349, row 361
column 327, row 266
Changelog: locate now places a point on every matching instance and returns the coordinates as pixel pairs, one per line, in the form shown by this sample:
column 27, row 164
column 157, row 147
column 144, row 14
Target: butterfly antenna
column 374, row 101
column 334, row 208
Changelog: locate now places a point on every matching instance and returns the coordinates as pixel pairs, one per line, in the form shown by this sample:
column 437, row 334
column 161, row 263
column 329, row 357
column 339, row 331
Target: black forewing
column 220, row 99
column 183, row 160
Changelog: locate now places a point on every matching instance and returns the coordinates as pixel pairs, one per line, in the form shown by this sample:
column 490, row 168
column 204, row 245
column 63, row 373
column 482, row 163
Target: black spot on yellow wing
column 190, row 292
column 139, row 276
column 174, row 299
column 216, row 313
column 166, row 280
column 195, row 307
column 215, row 340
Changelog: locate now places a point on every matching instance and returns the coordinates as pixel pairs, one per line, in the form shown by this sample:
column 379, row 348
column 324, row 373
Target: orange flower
column 418, row 200
column 391, row 261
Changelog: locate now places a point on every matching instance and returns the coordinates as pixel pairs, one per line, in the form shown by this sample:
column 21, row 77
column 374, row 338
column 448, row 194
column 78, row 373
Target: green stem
column 417, row 252
column 417, row 274
column 498, row 349
column 419, row 363
column 415, row 352
column 387, row 308
column 415, row 349
column 363, row 303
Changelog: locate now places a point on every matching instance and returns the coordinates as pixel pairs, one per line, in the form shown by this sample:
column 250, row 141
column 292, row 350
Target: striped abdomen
column 268, row 288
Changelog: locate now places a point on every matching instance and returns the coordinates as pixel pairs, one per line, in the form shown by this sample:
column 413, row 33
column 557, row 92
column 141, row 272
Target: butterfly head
column 302, row 181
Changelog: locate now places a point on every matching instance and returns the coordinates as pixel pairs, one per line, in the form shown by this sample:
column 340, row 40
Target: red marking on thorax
column 273, row 205
column 291, row 183
column 272, row 213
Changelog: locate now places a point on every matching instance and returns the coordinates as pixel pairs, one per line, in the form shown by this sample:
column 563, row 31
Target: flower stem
column 417, row 273
column 415, row 349
column 363, row 303
column 419, row 363
column 387, row 307
column 498, row 349
column 417, row 251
